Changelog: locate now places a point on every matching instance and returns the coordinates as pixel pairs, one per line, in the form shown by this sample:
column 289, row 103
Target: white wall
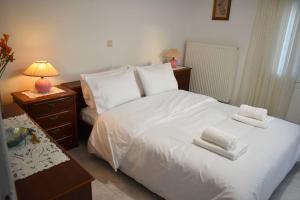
column 235, row 32
column 72, row 35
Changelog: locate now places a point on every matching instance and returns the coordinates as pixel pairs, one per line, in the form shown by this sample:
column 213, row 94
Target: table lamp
column 172, row 54
column 41, row 69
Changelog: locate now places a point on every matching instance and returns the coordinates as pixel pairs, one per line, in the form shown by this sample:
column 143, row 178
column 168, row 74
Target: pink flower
column 5, row 53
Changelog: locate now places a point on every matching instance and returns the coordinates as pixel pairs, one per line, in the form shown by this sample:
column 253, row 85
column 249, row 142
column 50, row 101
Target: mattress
column 88, row 115
column 150, row 139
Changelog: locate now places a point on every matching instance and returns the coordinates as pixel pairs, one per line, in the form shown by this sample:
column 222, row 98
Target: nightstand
column 55, row 113
column 182, row 75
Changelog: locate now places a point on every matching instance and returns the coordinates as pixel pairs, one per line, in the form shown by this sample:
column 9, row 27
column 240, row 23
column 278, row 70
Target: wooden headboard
column 75, row 86
column 83, row 127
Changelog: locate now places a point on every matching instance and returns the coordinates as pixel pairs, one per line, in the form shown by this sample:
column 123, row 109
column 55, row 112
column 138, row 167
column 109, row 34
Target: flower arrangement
column 6, row 54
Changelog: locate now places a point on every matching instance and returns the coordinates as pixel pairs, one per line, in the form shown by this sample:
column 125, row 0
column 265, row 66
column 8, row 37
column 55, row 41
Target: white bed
column 150, row 139
column 89, row 115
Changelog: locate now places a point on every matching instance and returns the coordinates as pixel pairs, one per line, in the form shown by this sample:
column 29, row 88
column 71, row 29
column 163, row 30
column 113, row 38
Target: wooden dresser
column 65, row 181
column 56, row 114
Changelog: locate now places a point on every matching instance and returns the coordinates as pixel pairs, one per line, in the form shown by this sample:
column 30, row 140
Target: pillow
column 137, row 78
column 86, row 91
column 157, row 78
column 111, row 91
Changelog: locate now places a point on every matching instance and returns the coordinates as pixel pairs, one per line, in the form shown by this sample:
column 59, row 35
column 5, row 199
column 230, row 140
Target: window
column 288, row 39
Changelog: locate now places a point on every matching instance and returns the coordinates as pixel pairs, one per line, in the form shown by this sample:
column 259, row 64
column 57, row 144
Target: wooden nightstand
column 182, row 75
column 55, row 113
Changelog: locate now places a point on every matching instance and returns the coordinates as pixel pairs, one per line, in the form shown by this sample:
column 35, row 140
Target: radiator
column 213, row 69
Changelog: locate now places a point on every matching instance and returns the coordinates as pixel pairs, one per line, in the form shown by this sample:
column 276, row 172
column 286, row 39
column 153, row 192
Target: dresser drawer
column 68, row 142
column 62, row 132
column 50, row 107
column 50, row 121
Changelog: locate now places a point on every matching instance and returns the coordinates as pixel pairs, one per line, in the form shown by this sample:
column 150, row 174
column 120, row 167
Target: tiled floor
column 110, row 185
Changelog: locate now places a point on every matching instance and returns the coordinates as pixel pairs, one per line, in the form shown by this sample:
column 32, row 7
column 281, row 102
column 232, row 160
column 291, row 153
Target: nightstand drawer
column 183, row 82
column 50, row 107
column 54, row 120
column 183, row 78
column 62, row 132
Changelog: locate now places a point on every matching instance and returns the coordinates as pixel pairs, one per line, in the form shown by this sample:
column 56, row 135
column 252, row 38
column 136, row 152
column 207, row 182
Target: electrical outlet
column 109, row 43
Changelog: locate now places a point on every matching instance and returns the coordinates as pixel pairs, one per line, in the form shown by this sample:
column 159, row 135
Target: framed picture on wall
column 221, row 10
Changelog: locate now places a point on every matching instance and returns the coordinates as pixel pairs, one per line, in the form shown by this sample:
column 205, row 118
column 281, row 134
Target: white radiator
column 213, row 69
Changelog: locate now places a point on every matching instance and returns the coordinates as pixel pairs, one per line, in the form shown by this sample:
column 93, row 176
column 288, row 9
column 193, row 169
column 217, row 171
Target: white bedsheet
column 89, row 115
column 151, row 140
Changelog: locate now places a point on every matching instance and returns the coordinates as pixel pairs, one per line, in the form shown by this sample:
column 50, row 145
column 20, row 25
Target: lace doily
column 28, row 158
column 35, row 94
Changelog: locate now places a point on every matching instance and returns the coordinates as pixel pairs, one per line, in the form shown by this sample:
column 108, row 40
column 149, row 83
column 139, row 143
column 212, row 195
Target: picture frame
column 221, row 10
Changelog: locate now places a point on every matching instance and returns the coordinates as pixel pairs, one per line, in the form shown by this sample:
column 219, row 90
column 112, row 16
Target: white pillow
column 137, row 78
column 157, row 78
column 86, row 91
column 111, row 91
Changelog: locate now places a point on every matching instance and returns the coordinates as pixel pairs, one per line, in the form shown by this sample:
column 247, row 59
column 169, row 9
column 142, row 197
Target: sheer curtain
column 272, row 66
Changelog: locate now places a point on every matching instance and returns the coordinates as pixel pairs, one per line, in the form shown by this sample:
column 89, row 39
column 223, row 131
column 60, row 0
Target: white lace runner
column 28, row 158
column 35, row 94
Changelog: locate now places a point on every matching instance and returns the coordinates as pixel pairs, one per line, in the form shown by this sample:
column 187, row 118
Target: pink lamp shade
column 41, row 69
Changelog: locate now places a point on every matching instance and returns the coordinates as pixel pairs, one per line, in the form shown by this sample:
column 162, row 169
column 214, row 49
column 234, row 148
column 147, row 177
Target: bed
column 150, row 140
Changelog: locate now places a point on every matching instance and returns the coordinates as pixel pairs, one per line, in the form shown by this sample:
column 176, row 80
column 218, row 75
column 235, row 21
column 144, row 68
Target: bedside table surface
column 26, row 100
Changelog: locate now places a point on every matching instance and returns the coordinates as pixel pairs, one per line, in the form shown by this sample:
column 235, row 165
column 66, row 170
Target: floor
column 110, row 185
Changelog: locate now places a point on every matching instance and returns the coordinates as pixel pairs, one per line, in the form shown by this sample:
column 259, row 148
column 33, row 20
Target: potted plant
column 6, row 54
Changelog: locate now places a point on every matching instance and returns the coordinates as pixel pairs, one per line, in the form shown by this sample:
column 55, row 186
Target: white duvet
column 151, row 140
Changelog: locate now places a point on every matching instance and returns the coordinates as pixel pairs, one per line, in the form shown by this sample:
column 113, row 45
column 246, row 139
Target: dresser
column 65, row 181
column 56, row 114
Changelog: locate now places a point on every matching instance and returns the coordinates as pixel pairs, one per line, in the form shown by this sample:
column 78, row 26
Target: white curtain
column 272, row 66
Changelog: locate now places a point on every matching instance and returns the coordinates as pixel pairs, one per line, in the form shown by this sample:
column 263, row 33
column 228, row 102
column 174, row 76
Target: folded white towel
column 230, row 154
column 252, row 122
column 220, row 138
column 253, row 112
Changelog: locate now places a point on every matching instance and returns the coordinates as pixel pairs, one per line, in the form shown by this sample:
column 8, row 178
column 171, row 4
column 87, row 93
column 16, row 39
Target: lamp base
column 43, row 85
column 173, row 63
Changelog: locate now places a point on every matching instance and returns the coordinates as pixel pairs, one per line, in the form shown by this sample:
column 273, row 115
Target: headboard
column 76, row 86
column 84, row 128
